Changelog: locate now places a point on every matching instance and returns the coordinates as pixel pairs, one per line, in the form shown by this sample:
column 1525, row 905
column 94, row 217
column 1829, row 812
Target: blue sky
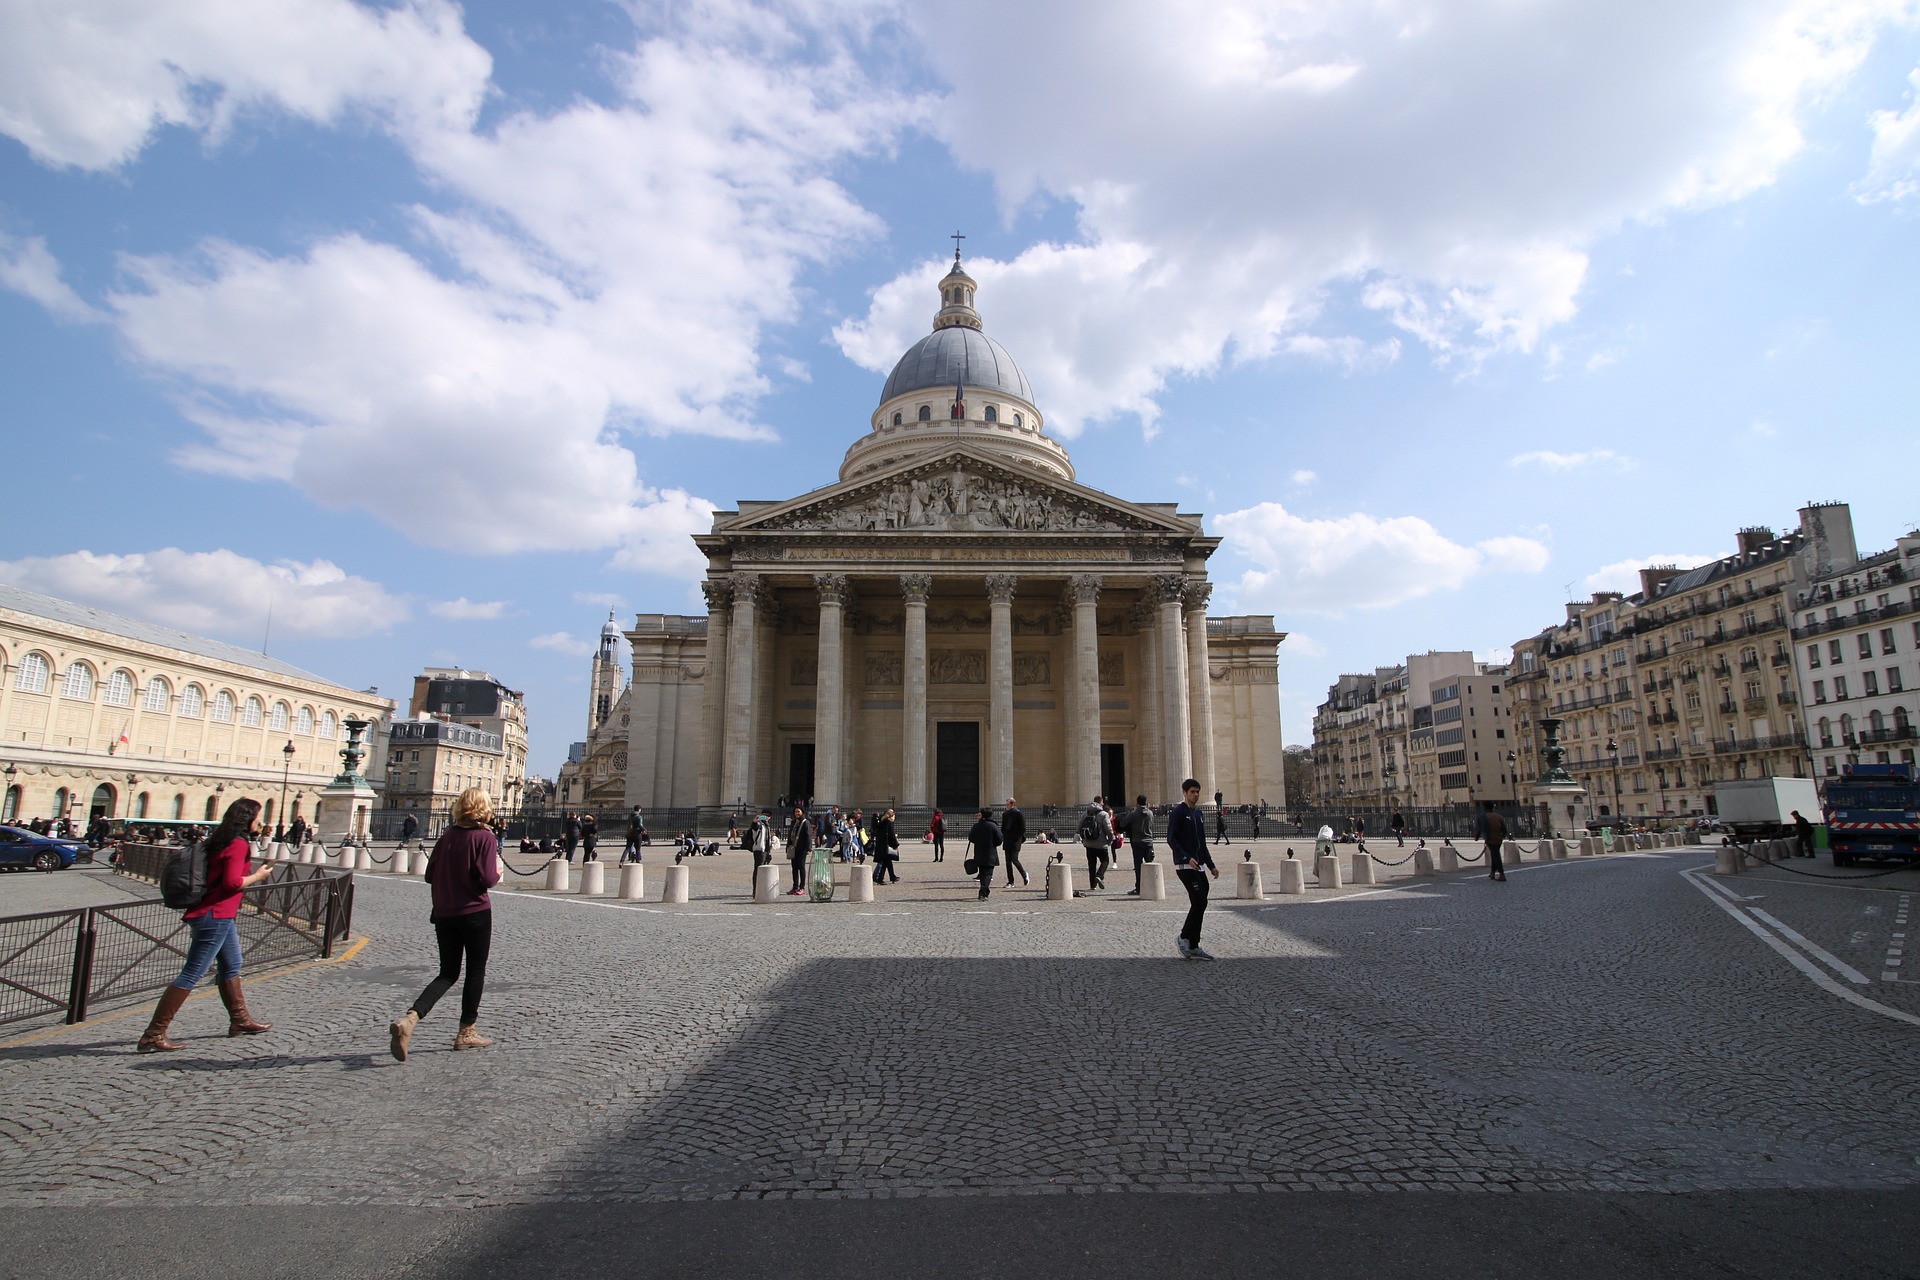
column 437, row 329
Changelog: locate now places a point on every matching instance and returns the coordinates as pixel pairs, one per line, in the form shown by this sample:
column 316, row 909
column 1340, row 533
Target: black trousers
column 1495, row 867
column 1099, row 858
column 940, row 848
column 799, row 869
column 1012, row 853
column 1140, row 852
column 460, row 937
column 986, row 880
column 883, row 872
column 1195, row 878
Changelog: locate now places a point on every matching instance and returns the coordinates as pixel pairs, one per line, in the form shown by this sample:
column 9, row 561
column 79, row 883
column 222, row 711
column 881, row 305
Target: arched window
column 119, row 689
column 79, row 682
column 303, row 723
column 179, row 807
column 32, row 676
column 223, row 707
column 212, row 813
column 926, row 413
column 140, row 805
column 1846, row 726
column 10, row 808
column 327, row 723
column 251, row 712
column 993, row 413
column 896, row 417
column 1900, row 720
column 1018, row 420
column 278, row 721
column 61, row 799
column 1876, row 721
column 193, row 701
column 1826, row 732
column 158, row 697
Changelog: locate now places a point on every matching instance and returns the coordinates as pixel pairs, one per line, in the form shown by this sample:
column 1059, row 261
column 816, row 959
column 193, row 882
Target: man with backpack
column 1137, row 826
column 636, row 836
column 1096, row 836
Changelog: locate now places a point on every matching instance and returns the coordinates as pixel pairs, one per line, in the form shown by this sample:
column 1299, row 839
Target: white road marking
column 1818, row 952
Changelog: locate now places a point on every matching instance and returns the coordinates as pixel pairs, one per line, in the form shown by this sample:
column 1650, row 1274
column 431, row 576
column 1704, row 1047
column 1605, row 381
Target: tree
column 1299, row 774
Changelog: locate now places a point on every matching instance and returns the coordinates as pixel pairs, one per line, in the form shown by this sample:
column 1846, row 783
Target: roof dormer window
column 993, row 413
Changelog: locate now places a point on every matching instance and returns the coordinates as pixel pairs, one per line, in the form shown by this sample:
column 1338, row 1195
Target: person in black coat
column 983, row 846
column 1013, row 834
column 885, row 847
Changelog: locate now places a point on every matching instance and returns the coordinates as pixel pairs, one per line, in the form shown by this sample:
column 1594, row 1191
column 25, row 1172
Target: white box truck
column 1762, row 808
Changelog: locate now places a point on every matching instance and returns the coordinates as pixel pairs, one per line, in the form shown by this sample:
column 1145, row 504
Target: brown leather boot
column 239, row 1021
column 470, row 1038
column 154, row 1038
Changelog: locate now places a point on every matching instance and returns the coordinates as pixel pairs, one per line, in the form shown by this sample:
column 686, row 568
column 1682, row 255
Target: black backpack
column 184, row 881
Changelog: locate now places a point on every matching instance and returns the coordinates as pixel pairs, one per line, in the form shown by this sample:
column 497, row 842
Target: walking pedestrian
column 1096, row 837
column 1399, row 827
column 799, row 849
column 589, row 838
column 1138, row 825
column 1013, row 834
column 1804, row 831
column 983, row 850
column 1187, row 837
column 465, row 864
column 409, row 828
column 1360, row 833
column 1219, row 821
column 214, row 933
column 886, row 849
column 569, row 837
column 938, row 830
column 1494, row 832
column 637, row 835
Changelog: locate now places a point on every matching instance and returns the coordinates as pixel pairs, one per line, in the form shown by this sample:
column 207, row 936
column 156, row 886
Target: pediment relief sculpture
column 953, row 499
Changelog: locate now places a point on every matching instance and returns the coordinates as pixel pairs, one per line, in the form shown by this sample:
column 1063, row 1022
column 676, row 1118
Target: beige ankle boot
column 402, row 1035
column 470, row 1038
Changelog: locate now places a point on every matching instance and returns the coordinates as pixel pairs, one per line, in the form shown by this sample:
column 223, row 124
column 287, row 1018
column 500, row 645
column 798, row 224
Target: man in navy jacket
column 1187, row 838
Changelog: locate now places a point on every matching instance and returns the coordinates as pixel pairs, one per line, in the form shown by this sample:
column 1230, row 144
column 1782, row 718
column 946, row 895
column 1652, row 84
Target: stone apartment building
column 1375, row 744
column 1857, row 634
column 476, row 699
column 431, row 759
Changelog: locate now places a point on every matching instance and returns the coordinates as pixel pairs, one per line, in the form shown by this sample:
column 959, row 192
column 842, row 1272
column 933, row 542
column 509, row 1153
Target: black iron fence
column 67, row 962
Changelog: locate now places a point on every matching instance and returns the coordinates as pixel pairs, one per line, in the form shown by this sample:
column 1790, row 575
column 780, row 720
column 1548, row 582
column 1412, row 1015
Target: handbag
column 971, row 867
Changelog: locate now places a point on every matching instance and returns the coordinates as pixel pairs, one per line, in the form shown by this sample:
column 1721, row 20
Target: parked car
column 22, row 848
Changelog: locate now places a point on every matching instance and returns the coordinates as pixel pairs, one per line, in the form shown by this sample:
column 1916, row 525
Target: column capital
column 1083, row 588
column 1166, row 587
column 749, row 590
column 719, row 594
column 1141, row 615
column 1000, row 587
column 1195, row 593
column 832, row 587
column 916, row 587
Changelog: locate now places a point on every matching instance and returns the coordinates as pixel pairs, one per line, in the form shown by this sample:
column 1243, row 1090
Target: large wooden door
column 956, row 778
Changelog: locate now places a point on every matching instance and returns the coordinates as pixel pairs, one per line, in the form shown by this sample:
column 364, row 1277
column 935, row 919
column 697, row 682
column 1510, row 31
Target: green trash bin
column 1819, row 836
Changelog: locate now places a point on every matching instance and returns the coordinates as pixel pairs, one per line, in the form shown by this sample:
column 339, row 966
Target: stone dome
column 956, row 386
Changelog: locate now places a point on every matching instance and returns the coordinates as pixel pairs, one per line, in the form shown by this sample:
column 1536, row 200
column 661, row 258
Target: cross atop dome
column 956, row 295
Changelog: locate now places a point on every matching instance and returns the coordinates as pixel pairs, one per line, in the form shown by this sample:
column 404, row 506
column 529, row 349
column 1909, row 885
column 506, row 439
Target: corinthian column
column 1146, row 694
column 1200, row 684
column 916, row 587
column 1083, row 772
column 713, row 700
column 1000, row 587
column 829, row 735
column 736, row 772
column 1174, row 733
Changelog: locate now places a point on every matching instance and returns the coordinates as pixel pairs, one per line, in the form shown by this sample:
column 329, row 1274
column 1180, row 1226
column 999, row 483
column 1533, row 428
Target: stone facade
column 955, row 621
column 204, row 722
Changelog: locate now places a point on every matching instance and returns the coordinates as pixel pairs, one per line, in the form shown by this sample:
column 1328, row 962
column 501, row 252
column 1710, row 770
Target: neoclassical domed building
column 952, row 622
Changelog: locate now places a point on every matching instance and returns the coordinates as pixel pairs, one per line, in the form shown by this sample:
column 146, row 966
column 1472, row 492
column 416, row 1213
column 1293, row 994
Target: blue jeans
column 215, row 942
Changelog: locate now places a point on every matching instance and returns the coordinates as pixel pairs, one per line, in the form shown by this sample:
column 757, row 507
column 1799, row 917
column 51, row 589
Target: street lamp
column 286, row 770
column 1613, row 756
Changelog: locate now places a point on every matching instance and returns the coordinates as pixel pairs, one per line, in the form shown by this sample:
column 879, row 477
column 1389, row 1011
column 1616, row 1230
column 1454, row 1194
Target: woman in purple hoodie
column 465, row 864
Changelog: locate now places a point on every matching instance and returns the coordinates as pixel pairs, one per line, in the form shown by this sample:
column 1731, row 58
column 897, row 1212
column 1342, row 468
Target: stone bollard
column 1361, row 870
column 1726, row 861
column 593, row 879
column 1059, row 882
column 1293, row 876
column 420, row 859
column 633, row 882
column 1248, row 884
column 860, row 882
column 678, row 879
column 363, row 860
column 1423, row 861
column 1153, row 882
column 1449, row 858
column 1754, row 855
column 766, row 883
column 1559, row 849
column 559, row 876
column 277, row 851
column 1326, row 869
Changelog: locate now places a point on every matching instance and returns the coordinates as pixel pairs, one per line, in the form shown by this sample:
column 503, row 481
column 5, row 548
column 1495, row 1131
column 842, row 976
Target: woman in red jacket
column 216, row 935
column 465, row 864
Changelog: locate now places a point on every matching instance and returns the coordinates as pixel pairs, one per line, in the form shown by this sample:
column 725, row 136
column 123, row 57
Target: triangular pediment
column 957, row 491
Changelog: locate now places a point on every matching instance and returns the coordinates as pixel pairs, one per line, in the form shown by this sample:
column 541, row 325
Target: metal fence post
column 82, row 970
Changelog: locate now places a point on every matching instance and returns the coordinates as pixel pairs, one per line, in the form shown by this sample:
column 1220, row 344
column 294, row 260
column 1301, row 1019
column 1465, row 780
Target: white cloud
column 1237, row 165
column 1548, row 460
column 563, row 642
column 218, row 593
column 1305, row 477
column 28, row 268
column 605, row 599
column 1498, row 656
column 1894, row 172
column 1764, row 429
column 1299, row 644
column 86, row 83
column 465, row 610
column 1357, row 561
column 1624, row 575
